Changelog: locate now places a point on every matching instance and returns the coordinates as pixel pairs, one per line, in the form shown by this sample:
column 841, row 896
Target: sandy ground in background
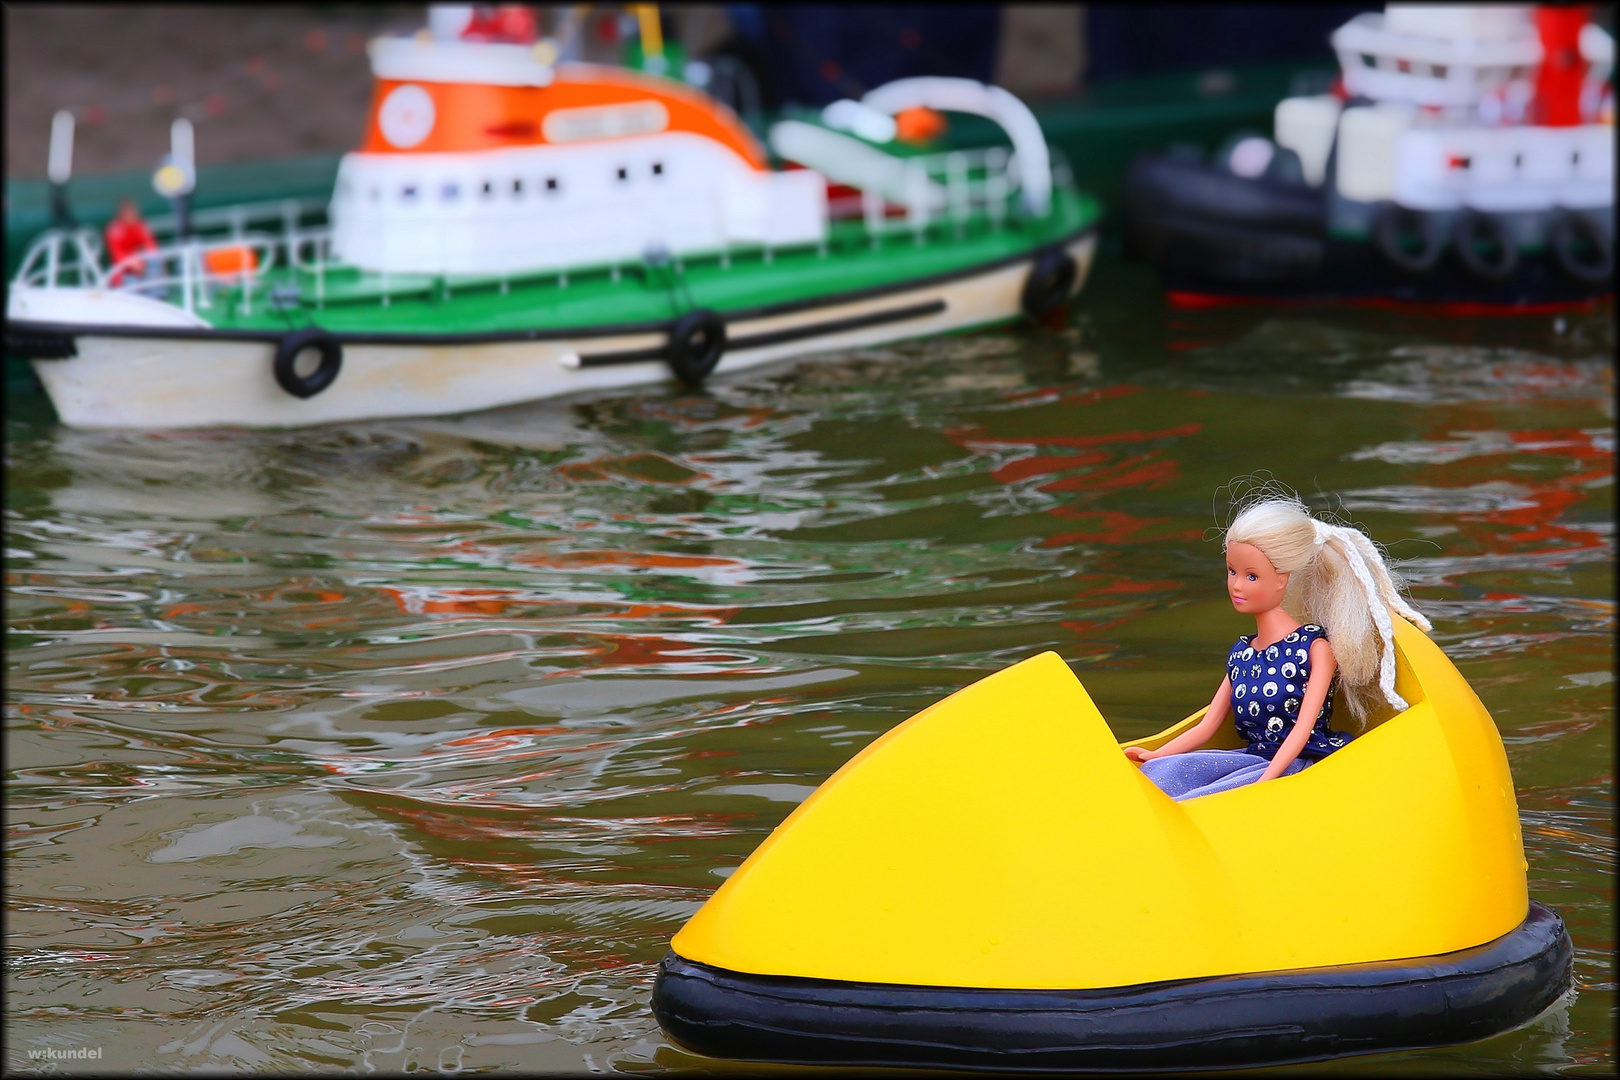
column 256, row 82
column 273, row 82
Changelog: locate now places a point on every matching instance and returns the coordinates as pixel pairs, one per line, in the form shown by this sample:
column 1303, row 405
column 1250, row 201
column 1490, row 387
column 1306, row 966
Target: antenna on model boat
column 59, row 167
column 177, row 175
column 653, row 60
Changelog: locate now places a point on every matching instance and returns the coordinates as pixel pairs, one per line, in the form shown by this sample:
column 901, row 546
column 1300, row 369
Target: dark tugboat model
column 1466, row 160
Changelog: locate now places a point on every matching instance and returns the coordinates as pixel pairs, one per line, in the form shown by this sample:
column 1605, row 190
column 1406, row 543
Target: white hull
column 174, row 382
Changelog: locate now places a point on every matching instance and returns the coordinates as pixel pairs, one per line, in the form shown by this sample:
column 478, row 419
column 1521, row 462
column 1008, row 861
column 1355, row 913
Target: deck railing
column 936, row 189
column 186, row 272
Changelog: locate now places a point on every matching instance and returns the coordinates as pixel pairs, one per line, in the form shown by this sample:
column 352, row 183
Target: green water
column 409, row 744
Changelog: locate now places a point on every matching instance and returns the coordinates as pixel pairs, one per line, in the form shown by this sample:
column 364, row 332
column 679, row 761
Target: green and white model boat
column 514, row 228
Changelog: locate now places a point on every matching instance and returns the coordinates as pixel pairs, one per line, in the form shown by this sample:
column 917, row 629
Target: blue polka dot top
column 1267, row 688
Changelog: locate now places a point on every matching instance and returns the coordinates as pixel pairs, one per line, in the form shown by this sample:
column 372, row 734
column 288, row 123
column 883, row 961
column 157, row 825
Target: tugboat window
column 517, row 187
column 489, row 187
column 451, row 192
column 551, row 183
column 624, row 173
column 409, row 192
column 658, row 168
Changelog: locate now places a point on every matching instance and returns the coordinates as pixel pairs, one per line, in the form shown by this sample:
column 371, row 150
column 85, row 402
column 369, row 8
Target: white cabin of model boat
column 1437, row 55
column 1448, row 86
column 488, row 158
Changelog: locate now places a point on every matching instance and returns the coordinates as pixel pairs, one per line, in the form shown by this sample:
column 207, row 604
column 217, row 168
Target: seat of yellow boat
column 999, row 842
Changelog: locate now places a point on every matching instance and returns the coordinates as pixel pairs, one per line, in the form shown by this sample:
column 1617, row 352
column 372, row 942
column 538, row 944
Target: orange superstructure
column 472, row 116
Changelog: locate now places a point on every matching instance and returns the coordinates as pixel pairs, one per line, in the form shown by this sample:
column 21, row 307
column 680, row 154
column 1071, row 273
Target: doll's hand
column 1139, row 754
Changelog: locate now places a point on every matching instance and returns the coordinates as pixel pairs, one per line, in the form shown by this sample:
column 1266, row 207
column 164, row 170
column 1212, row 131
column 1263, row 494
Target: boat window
column 658, row 168
column 517, row 186
column 489, row 188
column 408, row 192
column 551, row 183
column 1369, row 60
column 1439, row 71
column 624, row 173
column 450, row 192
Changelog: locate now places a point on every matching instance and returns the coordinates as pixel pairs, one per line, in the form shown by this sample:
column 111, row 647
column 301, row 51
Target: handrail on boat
column 239, row 218
column 186, row 264
column 72, row 259
column 60, row 253
column 950, row 186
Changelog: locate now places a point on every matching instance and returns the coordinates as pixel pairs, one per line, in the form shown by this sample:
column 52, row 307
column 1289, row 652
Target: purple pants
column 1204, row 772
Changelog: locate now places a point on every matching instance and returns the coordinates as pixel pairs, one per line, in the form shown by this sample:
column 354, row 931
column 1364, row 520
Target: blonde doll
column 1280, row 680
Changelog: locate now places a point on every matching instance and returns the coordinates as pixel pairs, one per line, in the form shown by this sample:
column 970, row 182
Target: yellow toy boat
column 992, row 884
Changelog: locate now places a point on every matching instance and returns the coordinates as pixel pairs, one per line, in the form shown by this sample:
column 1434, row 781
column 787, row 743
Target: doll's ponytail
column 1339, row 580
column 1370, row 588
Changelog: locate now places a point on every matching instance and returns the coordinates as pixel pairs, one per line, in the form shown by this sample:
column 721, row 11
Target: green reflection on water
column 410, row 743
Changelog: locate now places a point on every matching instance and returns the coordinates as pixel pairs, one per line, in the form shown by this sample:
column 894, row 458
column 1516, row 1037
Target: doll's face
column 1251, row 581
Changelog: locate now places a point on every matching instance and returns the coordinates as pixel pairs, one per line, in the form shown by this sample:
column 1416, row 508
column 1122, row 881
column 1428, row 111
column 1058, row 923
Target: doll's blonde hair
column 1338, row 579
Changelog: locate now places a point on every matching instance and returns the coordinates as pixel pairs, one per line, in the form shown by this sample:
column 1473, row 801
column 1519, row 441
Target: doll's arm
column 1195, row 736
column 1323, row 665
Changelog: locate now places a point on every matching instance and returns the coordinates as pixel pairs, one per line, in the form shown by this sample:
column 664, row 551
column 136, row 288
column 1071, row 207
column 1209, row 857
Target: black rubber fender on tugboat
column 1568, row 233
column 1396, row 223
column 1475, row 229
column 1158, row 185
column 1187, row 217
column 1265, row 1018
column 292, row 345
column 1049, row 284
column 697, row 340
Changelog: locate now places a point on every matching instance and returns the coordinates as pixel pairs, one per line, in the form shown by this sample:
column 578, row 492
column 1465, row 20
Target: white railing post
column 917, row 213
column 53, row 259
column 185, row 279
column 204, row 300
column 289, row 230
column 248, row 277
column 956, row 188
column 872, row 211
column 995, row 184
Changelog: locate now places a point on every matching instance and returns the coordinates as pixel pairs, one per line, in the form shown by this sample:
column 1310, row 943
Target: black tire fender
column 1564, row 240
column 1050, row 281
column 697, row 340
column 1474, row 229
column 298, row 342
column 1394, row 224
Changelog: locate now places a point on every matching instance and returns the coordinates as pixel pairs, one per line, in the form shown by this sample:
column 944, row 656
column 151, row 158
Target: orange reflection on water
column 1540, row 504
column 651, row 650
column 1139, row 470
